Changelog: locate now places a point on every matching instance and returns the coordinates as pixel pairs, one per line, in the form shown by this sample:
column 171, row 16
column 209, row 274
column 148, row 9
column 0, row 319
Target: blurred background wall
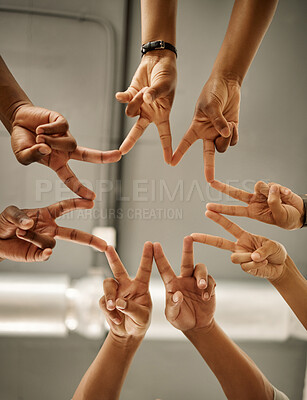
column 62, row 64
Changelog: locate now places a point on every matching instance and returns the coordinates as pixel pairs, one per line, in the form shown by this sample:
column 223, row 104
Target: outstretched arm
column 152, row 89
column 216, row 116
column 127, row 307
column 190, row 307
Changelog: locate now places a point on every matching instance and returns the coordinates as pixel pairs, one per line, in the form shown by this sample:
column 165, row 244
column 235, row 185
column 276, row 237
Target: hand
column 215, row 121
column 151, row 95
column 257, row 255
column 28, row 235
column 190, row 297
column 126, row 302
column 43, row 136
column 270, row 203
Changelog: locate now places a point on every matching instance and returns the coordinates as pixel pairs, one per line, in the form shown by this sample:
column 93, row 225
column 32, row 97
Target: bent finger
column 64, row 143
column 110, row 287
column 239, row 258
column 138, row 313
column 33, row 154
column 173, row 305
column 17, row 217
column 201, row 276
column 39, row 240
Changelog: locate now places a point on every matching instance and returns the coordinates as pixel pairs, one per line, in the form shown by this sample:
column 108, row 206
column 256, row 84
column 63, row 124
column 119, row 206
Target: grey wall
column 272, row 147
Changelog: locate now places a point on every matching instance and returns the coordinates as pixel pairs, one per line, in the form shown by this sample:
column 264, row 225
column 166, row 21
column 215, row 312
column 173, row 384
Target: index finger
column 80, row 237
column 166, row 139
column 73, row 183
column 133, row 136
column 186, row 142
column 187, row 260
column 164, row 268
column 145, row 268
column 231, row 191
column 209, row 159
column 62, row 207
column 95, row 156
column 117, row 267
column 229, row 226
column 215, row 241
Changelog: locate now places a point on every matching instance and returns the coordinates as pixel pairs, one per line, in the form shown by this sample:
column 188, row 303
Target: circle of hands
column 43, row 136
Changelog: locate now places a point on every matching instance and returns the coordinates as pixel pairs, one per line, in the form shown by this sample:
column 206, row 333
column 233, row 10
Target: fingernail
column 286, row 191
column 175, row 298
column 25, row 221
column 256, row 256
column 110, row 304
column 273, row 189
column 40, row 130
column 22, row 232
column 206, row 296
column 121, row 304
column 225, row 132
column 44, row 151
column 202, row 283
column 116, row 321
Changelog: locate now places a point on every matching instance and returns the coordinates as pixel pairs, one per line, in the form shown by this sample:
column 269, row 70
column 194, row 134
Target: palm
column 216, row 115
column 44, row 230
column 270, row 266
column 194, row 312
column 156, row 76
column 290, row 207
column 216, row 93
column 138, row 292
column 54, row 148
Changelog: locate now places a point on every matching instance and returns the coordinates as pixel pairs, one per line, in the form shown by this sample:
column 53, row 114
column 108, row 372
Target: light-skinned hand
column 40, row 135
column 270, row 203
column 256, row 254
column 150, row 96
column 29, row 235
column 215, row 121
column 126, row 302
column 190, row 296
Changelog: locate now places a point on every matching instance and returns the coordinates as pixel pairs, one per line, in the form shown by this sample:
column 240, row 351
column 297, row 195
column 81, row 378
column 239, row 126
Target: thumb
column 138, row 313
column 155, row 91
column 218, row 120
column 264, row 251
column 173, row 304
column 274, row 202
column 33, row 153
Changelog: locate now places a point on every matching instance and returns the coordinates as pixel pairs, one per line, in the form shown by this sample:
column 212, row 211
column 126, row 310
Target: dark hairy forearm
column 248, row 24
column 11, row 96
column 238, row 375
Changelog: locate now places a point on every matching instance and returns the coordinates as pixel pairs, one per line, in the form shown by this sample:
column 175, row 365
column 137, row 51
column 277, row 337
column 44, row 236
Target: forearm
column 106, row 375
column 11, row 96
column 293, row 288
column 159, row 20
column 238, row 375
column 248, row 24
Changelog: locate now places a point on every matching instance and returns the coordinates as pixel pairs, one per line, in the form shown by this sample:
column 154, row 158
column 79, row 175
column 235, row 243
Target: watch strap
column 157, row 45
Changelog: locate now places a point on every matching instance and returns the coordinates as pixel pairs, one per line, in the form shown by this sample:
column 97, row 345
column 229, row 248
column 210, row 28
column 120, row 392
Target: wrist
column 125, row 342
column 18, row 106
column 288, row 268
column 200, row 332
column 228, row 76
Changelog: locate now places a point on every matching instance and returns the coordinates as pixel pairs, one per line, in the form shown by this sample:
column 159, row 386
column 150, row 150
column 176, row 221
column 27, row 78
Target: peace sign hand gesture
column 43, row 136
column 215, row 122
column 270, row 203
column 257, row 255
column 28, row 235
column 126, row 302
column 190, row 297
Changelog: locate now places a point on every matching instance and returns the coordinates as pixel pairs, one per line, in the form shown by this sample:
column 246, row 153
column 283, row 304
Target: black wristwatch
column 157, row 45
column 304, row 198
